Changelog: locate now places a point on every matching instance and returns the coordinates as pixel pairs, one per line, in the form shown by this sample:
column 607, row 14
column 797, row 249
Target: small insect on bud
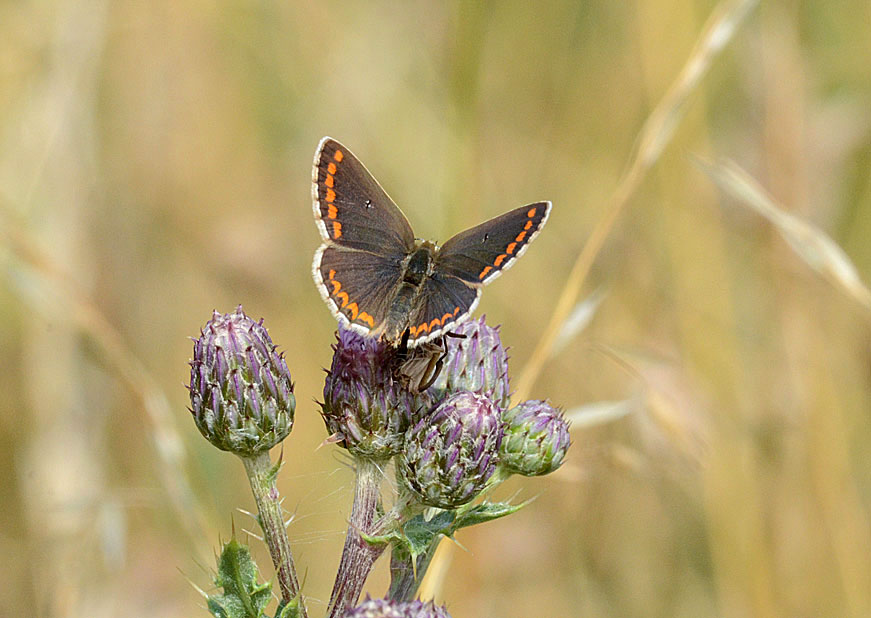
column 536, row 439
column 386, row 608
column 475, row 361
column 241, row 394
column 365, row 406
column 451, row 454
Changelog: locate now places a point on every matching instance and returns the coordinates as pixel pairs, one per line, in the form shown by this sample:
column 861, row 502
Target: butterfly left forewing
column 482, row 253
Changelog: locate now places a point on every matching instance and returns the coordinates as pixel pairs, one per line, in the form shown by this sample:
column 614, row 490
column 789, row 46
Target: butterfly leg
column 433, row 368
column 436, row 367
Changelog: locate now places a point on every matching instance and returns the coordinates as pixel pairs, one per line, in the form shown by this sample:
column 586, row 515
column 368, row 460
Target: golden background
column 155, row 164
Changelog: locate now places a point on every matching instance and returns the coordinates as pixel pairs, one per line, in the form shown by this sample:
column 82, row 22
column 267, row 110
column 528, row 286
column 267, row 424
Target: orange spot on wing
column 332, row 273
column 365, row 317
column 331, row 167
column 485, row 271
column 354, row 310
column 423, row 328
column 329, row 181
column 336, row 286
column 332, row 212
column 331, row 195
column 531, row 213
column 510, row 248
column 412, row 331
column 520, row 237
column 435, row 322
column 498, row 261
column 456, row 311
column 445, row 317
column 337, row 229
column 339, row 156
column 343, row 296
column 528, row 225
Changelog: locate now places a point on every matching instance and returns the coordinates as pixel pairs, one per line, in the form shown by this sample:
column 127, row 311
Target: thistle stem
column 261, row 475
column 405, row 575
column 358, row 556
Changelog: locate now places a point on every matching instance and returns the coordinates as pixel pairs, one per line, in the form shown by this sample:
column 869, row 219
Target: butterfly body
column 380, row 280
column 415, row 269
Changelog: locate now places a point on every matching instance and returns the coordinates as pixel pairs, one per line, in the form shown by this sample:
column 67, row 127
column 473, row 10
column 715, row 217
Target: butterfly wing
column 479, row 255
column 366, row 237
column 357, row 286
column 444, row 301
column 351, row 208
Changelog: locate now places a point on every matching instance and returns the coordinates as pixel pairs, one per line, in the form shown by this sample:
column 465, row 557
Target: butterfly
column 381, row 281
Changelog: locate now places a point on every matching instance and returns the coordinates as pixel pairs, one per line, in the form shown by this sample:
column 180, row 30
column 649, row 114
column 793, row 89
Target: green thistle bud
column 536, row 439
column 241, row 394
column 386, row 608
column 477, row 362
column 366, row 408
column 451, row 454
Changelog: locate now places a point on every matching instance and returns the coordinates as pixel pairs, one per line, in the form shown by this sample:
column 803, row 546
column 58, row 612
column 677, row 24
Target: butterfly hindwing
column 358, row 286
column 479, row 255
column 351, row 208
column 444, row 301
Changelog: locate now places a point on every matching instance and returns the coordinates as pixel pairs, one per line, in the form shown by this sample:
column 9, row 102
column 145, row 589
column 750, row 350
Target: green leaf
column 487, row 511
column 420, row 533
column 377, row 540
column 289, row 610
column 225, row 606
column 237, row 574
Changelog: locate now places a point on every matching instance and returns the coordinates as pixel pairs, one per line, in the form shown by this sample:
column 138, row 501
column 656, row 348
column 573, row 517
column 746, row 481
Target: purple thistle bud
column 451, row 454
column 476, row 362
column 386, row 608
column 536, row 439
column 241, row 394
column 365, row 406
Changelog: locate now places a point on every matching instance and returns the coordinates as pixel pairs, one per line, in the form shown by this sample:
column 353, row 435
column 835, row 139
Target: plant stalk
column 261, row 475
column 358, row 556
column 406, row 574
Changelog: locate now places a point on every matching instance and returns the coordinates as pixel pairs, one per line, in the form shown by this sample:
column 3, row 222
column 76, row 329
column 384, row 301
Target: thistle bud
column 476, row 361
column 536, row 439
column 451, row 454
column 241, row 394
column 386, row 608
column 365, row 407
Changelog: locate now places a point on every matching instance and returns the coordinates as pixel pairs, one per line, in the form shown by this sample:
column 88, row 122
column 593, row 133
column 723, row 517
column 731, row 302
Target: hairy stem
column 261, row 475
column 358, row 556
column 407, row 573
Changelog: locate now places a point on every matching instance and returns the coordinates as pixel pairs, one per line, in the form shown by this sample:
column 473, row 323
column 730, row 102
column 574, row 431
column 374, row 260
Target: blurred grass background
column 155, row 164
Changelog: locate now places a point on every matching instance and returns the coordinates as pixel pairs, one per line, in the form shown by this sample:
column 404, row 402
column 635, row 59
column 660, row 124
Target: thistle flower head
column 451, row 454
column 386, row 608
column 536, row 439
column 241, row 394
column 365, row 406
column 476, row 361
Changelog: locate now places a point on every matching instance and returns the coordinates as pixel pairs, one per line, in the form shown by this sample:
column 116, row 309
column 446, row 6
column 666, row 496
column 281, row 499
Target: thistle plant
column 386, row 608
column 451, row 438
column 242, row 401
column 451, row 453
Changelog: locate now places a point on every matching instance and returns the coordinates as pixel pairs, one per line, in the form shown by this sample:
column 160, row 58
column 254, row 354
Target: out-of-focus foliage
column 155, row 164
